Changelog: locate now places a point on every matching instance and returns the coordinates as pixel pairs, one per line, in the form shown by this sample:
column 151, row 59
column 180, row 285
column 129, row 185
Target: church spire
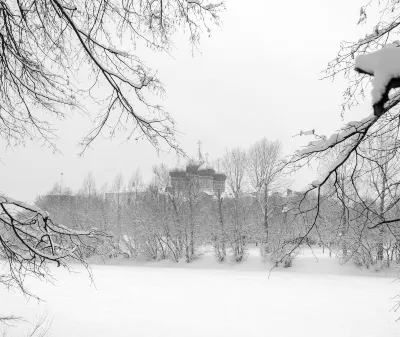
column 201, row 160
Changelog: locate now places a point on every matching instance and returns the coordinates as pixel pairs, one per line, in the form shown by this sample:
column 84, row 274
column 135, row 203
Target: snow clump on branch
column 346, row 132
column 383, row 64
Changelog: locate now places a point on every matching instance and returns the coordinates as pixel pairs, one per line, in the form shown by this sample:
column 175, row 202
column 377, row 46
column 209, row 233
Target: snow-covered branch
column 45, row 43
column 363, row 50
column 206, row 7
column 349, row 131
column 385, row 67
column 29, row 239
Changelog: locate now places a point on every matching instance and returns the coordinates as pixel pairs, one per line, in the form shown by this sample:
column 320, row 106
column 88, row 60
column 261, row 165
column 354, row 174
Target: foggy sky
column 256, row 76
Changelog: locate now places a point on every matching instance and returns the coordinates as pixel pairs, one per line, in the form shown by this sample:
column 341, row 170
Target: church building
column 198, row 174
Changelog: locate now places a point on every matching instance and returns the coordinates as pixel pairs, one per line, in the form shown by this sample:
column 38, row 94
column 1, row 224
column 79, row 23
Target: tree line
column 152, row 221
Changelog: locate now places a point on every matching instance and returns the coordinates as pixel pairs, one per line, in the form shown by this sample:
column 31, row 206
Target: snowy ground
column 314, row 298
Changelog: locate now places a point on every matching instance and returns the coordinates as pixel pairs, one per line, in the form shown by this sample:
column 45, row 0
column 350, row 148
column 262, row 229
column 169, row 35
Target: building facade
column 205, row 180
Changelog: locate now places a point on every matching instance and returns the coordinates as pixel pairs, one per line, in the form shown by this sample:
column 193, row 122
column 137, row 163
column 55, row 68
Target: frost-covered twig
column 45, row 44
column 384, row 30
column 29, row 240
column 350, row 141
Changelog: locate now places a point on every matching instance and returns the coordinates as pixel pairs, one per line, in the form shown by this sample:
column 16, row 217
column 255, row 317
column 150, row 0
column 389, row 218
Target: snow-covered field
column 314, row 298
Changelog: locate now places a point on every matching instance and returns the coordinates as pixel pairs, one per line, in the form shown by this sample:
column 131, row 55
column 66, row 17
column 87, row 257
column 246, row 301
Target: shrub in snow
column 358, row 261
column 219, row 251
column 237, row 256
column 288, row 262
column 284, row 256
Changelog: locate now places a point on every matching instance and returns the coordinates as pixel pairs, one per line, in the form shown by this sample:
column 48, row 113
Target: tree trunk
column 343, row 231
column 266, row 213
column 381, row 212
column 221, row 222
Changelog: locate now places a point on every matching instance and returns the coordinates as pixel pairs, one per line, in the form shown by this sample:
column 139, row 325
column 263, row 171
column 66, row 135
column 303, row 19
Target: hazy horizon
column 255, row 77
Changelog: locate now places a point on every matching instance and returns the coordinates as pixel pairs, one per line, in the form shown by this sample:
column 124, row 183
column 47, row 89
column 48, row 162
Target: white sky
column 257, row 76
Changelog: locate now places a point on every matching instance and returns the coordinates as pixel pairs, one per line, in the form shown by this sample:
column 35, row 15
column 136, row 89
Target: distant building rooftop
column 205, row 179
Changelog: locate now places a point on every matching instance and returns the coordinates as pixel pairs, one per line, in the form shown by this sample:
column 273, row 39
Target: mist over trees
column 155, row 220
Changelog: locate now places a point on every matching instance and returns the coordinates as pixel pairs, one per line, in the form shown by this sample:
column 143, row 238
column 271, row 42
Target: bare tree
column 354, row 62
column 105, row 218
column 161, row 176
column 338, row 194
column 118, row 187
column 219, row 238
column 136, row 183
column 46, row 45
column 264, row 169
column 384, row 30
column 59, row 188
column 88, row 191
column 177, row 200
column 40, row 328
column 60, row 203
column 29, row 240
column 383, row 173
column 191, row 196
column 235, row 164
column 88, row 188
